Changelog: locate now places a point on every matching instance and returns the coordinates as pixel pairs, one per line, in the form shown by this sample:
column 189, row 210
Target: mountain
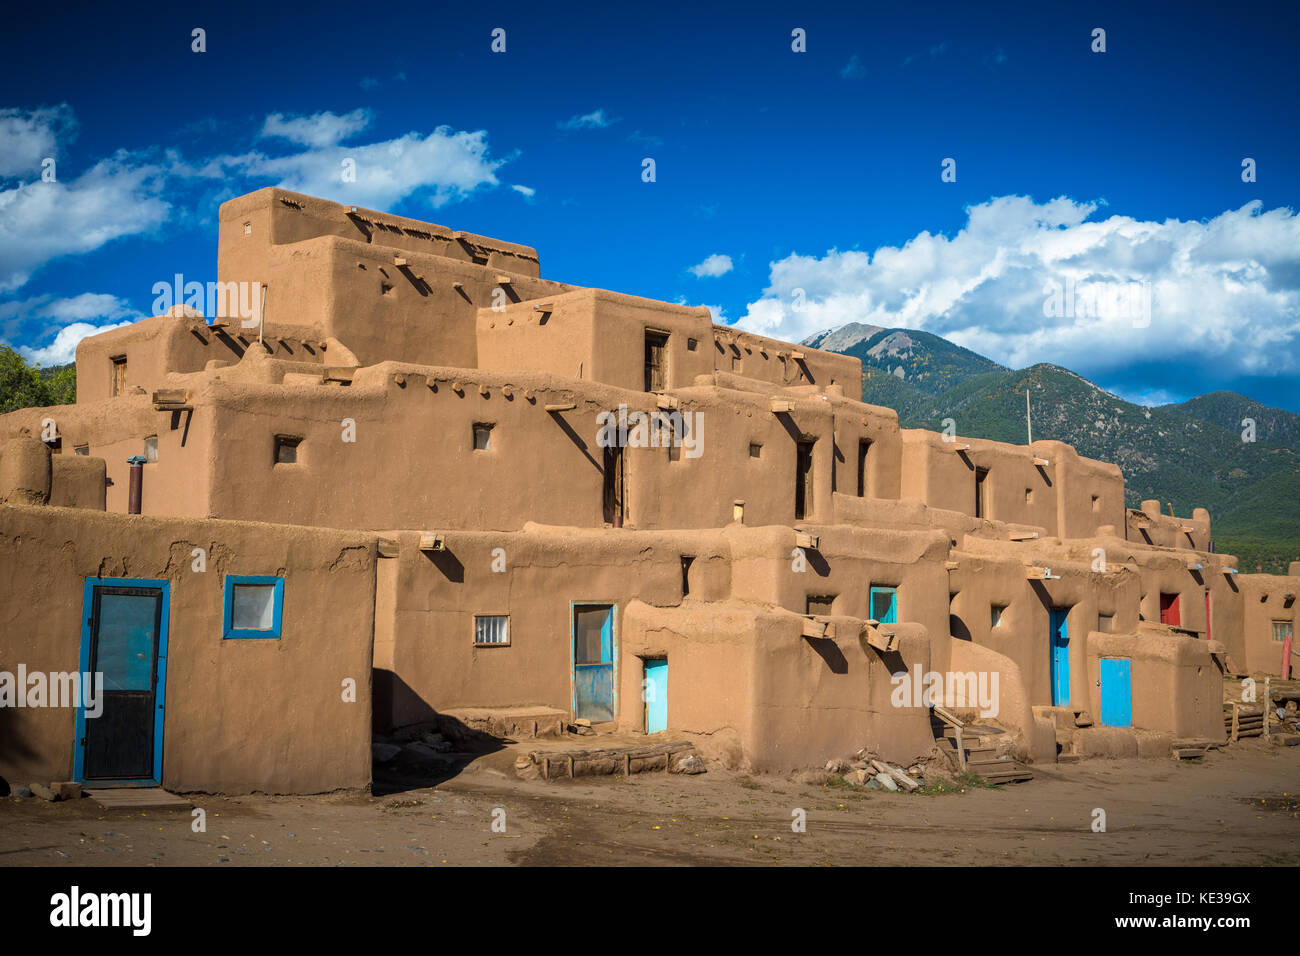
column 1190, row 454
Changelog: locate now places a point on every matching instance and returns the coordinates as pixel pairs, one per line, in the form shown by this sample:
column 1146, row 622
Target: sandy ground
column 1235, row 806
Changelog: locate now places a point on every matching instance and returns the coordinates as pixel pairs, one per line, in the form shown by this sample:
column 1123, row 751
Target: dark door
column 981, row 506
column 803, row 477
column 125, row 631
column 1169, row 613
column 614, row 512
column 656, row 376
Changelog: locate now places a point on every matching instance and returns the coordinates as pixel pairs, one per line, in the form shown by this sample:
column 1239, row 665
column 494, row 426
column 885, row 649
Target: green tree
column 23, row 385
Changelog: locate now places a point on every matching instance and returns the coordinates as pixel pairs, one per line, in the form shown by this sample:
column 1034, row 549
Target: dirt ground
column 1240, row 806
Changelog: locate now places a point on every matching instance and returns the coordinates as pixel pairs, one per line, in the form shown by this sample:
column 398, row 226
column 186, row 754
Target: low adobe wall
column 241, row 715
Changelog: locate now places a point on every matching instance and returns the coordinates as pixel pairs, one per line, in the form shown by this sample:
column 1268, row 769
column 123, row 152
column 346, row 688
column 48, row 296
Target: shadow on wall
column 13, row 748
column 957, row 628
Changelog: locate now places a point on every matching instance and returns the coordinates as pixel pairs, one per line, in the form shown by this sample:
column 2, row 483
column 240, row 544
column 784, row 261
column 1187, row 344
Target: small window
column 687, row 561
column 482, row 436
column 1169, row 613
column 248, row 228
column 1105, row 622
column 286, row 449
column 253, row 606
column 692, row 345
column 1281, row 630
column 1096, row 502
column 82, row 449
column 1029, row 496
column 981, row 506
column 996, row 612
column 820, row 604
column 884, row 605
column 119, row 375
column 151, row 448
column 491, row 630
column 755, row 450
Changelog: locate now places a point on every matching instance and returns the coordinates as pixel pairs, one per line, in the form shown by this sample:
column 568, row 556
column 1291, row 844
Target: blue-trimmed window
column 253, row 605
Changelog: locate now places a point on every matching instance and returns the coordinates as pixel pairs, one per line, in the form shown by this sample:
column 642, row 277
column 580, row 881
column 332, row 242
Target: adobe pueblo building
column 425, row 483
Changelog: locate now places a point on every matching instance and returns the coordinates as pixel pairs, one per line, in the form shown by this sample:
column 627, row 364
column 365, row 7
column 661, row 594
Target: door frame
column 645, row 671
column 160, row 680
column 613, row 651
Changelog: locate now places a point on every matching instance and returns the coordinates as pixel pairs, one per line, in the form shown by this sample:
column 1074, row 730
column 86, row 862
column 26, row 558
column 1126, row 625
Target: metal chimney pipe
column 137, row 480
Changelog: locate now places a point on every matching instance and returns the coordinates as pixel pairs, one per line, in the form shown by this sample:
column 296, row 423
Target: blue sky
column 783, row 179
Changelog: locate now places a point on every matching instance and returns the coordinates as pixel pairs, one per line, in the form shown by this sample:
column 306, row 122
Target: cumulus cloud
column 528, row 192
column 318, row 130
column 447, row 165
column 74, row 318
column 1026, row 282
column 597, row 119
column 28, row 137
column 712, row 267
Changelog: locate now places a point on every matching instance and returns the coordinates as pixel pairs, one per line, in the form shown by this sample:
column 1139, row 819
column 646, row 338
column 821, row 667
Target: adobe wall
column 427, row 660
column 1176, row 686
column 340, row 272
column 241, row 715
column 1149, row 525
column 1264, row 599
column 780, row 363
column 757, row 692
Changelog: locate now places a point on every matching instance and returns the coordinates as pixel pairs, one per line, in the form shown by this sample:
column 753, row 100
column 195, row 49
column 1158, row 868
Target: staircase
column 981, row 750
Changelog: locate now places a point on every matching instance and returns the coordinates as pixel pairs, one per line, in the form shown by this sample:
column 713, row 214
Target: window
column 820, row 604
column 884, row 605
column 82, row 449
column 1096, row 502
column 687, row 560
column 151, row 448
column 981, row 477
column 995, row 613
column 1105, row 621
column 119, row 375
column 1281, row 630
column 482, row 436
column 248, row 228
column 656, row 361
column 286, row 449
column 253, row 606
column 692, row 345
column 755, row 450
column 864, row 445
column 491, row 630
column 1029, row 496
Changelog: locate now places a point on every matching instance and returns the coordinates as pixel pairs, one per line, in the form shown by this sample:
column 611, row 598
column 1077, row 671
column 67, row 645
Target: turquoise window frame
column 228, row 629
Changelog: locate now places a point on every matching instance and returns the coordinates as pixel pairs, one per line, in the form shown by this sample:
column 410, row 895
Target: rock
column 44, row 792
column 688, row 763
column 382, row 753
column 20, row 792
column 858, row 778
column 886, row 781
column 583, row 722
column 914, row 770
column 860, row 765
column 67, row 789
column 816, row 778
column 582, row 730
column 836, row 766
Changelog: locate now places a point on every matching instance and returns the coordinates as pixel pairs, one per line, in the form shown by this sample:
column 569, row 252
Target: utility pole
column 1028, row 424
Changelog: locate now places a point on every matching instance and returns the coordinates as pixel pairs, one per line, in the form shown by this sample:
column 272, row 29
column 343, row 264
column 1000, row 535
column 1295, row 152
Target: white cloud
column 597, row 119
column 27, row 137
column 853, row 70
column 526, row 191
column 40, row 222
column 1226, row 291
column 64, row 347
column 712, row 267
column 447, row 164
column 318, row 130
column 716, row 311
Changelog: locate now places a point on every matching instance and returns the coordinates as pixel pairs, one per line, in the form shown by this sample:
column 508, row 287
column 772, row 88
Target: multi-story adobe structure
column 390, row 494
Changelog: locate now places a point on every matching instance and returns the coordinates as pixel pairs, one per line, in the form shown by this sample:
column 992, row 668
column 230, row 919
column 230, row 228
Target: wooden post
column 1268, row 702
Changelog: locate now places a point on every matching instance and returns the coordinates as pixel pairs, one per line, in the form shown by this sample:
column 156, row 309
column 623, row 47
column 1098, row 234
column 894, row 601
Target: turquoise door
column 1060, row 658
column 124, row 646
column 1116, row 692
column 884, row 605
column 656, row 696
column 593, row 662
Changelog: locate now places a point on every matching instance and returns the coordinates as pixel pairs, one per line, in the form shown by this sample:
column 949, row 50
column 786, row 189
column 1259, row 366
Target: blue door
column 656, row 696
column 1116, row 692
column 1060, row 658
column 124, row 649
column 884, row 605
column 593, row 662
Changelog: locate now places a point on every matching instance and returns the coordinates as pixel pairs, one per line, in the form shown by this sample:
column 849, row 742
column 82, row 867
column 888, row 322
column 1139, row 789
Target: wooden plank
column 1022, row 535
column 567, row 407
column 803, row 539
column 781, row 405
column 138, row 798
column 813, row 628
column 432, row 542
column 387, row 548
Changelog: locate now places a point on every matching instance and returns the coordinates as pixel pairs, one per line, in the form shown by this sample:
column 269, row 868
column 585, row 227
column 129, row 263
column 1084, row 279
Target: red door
column 1169, row 610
